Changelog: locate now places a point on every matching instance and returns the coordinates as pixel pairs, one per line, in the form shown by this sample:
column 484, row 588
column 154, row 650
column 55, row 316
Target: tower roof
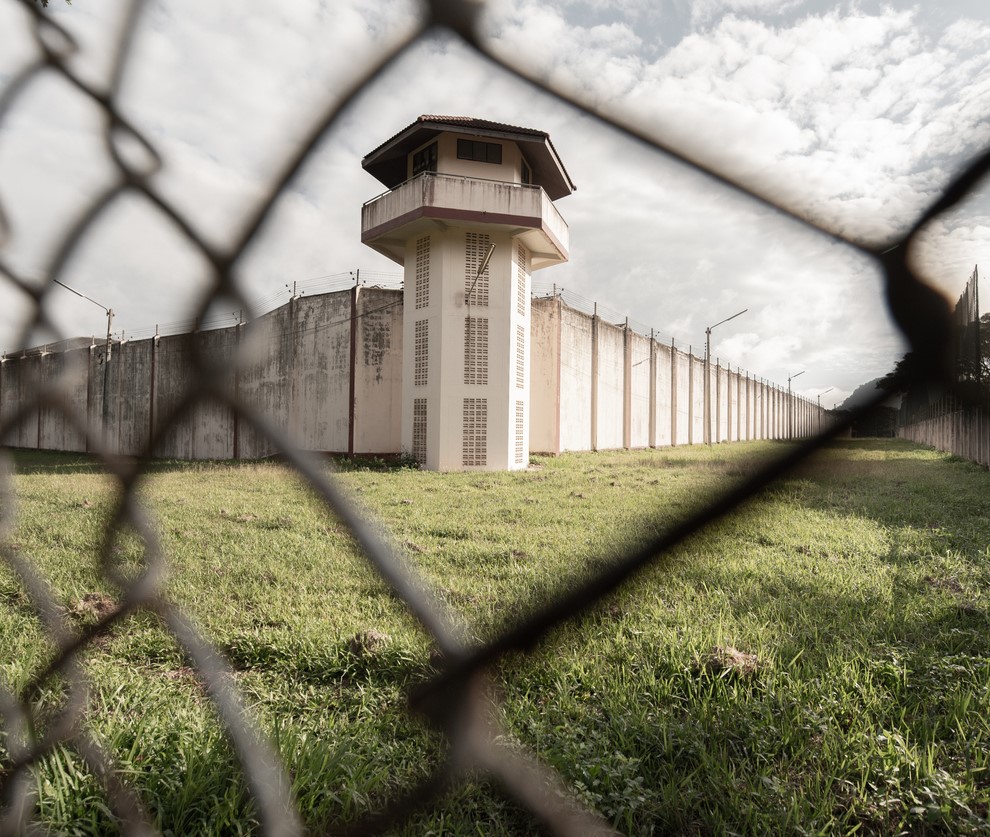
column 387, row 162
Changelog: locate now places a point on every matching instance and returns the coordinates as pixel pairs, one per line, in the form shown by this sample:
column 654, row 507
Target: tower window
column 480, row 152
column 425, row 159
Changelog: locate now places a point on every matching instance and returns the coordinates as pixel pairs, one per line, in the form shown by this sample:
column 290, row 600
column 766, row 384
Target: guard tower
column 469, row 215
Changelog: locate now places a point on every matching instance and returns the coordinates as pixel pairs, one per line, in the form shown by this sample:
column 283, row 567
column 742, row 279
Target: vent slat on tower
column 421, row 355
column 521, row 280
column 474, row 449
column 520, row 357
column 476, row 246
column 419, row 430
column 423, row 272
column 476, row 351
column 520, row 429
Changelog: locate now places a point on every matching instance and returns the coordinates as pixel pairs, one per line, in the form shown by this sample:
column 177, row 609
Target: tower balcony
column 431, row 199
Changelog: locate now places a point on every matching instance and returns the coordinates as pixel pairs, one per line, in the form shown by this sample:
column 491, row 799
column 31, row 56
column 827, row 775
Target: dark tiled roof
column 481, row 124
column 387, row 161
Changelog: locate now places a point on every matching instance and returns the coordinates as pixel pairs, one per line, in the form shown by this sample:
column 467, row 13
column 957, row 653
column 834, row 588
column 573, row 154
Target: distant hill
column 863, row 393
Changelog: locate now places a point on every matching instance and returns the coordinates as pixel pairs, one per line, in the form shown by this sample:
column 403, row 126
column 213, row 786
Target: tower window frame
column 479, row 151
column 425, row 159
column 525, row 173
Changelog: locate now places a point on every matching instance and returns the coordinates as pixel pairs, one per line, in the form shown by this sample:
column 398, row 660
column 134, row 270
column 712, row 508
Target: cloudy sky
column 854, row 114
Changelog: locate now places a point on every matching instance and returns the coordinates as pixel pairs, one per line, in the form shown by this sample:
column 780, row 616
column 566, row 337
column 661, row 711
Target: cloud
column 705, row 11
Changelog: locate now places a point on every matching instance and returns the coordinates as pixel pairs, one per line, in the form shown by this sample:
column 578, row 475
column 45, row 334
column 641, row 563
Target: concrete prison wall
column 598, row 385
column 325, row 371
column 962, row 432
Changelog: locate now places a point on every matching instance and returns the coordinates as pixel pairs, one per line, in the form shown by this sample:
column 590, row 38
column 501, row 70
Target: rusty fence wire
column 457, row 700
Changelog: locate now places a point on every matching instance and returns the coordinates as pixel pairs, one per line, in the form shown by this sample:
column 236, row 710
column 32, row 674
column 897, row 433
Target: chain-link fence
column 456, row 700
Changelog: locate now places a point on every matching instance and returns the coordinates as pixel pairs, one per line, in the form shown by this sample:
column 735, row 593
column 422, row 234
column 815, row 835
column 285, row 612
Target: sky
column 854, row 114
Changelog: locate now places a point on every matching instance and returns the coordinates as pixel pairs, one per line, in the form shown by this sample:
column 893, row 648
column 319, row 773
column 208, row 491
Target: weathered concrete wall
column 320, row 352
column 377, row 418
column 264, row 379
column 721, row 404
column 300, row 370
column 662, row 435
column 965, row 433
column 128, row 404
column 720, row 399
column 545, row 380
column 326, row 372
column 638, row 390
column 575, row 380
column 698, row 399
column 683, row 390
column 64, row 375
column 610, row 386
column 653, row 391
column 20, row 378
column 204, row 429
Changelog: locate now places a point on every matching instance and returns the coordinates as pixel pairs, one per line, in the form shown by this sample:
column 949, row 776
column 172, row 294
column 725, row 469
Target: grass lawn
column 819, row 663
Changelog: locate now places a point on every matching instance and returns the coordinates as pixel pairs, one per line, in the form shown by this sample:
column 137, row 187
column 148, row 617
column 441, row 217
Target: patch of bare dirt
column 951, row 585
column 94, row 606
column 725, row 660
column 368, row 642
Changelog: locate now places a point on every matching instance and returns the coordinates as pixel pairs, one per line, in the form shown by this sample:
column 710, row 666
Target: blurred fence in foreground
column 452, row 700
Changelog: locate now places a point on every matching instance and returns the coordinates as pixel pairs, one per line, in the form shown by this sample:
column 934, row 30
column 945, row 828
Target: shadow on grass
column 28, row 461
column 53, row 462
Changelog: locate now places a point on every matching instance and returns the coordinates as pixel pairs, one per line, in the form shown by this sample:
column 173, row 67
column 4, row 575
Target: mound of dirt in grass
column 93, row 607
column 725, row 660
column 368, row 643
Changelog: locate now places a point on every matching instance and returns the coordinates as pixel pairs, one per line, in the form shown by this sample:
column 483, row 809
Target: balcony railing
column 528, row 205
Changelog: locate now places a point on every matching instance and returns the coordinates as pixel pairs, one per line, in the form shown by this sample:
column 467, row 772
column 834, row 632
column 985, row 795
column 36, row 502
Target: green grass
column 817, row 664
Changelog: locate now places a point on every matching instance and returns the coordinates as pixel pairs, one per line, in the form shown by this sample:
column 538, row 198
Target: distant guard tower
column 469, row 215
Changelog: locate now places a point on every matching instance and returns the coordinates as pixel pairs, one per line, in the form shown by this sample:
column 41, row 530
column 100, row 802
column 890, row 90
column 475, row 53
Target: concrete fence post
column 718, row 401
column 673, row 394
column 559, row 305
column 293, row 382
column 739, row 393
column 746, row 401
column 690, row 428
column 352, row 367
column 626, row 387
column 153, row 394
column 237, row 388
column 652, row 440
column 90, row 423
column 594, row 379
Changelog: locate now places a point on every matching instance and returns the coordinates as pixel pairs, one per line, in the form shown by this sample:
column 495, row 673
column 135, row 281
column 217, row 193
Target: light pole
column 820, row 407
column 106, row 363
column 790, row 405
column 708, row 385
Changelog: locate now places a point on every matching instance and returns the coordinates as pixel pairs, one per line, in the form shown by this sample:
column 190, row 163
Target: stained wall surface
column 325, row 372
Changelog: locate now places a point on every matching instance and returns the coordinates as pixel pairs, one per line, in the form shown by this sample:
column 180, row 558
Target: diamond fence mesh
column 458, row 700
